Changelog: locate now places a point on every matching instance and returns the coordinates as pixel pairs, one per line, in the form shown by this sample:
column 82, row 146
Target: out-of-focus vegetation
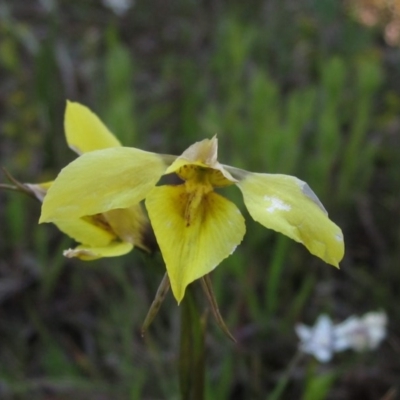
column 289, row 86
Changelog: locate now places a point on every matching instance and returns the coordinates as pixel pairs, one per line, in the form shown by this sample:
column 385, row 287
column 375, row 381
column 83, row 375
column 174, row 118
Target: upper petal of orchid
column 192, row 247
column 85, row 131
column 288, row 205
column 202, row 156
column 100, row 181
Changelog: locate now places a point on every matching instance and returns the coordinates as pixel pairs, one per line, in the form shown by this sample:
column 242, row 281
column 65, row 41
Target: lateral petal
column 191, row 251
column 100, row 181
column 130, row 224
column 85, row 131
column 288, row 205
column 87, row 230
column 88, row 253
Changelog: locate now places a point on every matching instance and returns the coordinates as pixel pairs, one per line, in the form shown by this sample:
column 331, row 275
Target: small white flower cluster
column 356, row 333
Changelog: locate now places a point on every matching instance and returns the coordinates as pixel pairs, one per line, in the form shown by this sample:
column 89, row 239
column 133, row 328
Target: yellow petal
column 202, row 155
column 85, row 131
column 190, row 251
column 88, row 253
column 100, row 181
column 92, row 230
column 87, row 230
column 288, row 205
column 130, row 224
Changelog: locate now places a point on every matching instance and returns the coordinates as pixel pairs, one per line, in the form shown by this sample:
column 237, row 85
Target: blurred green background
column 303, row 87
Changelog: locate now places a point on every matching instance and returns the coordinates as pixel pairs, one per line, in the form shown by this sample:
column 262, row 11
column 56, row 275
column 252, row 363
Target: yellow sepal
column 86, row 230
column 192, row 250
column 288, row 205
column 93, row 230
column 88, row 253
column 85, row 131
column 100, row 181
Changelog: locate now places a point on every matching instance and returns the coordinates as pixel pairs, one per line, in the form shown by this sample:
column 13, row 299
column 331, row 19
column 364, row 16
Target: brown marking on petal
column 100, row 221
column 193, row 201
column 203, row 174
column 196, row 193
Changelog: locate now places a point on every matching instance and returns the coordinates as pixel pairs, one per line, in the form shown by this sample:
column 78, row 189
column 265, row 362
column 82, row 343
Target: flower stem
column 284, row 380
column 192, row 349
column 18, row 186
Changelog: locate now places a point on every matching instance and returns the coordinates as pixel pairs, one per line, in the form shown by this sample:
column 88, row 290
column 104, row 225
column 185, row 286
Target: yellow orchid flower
column 107, row 234
column 195, row 227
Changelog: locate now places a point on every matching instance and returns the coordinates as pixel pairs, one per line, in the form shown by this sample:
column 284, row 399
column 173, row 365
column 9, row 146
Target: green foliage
column 319, row 387
column 119, row 110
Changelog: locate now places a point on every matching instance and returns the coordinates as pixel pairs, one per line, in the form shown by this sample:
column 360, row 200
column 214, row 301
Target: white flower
column 360, row 334
column 317, row 340
column 356, row 333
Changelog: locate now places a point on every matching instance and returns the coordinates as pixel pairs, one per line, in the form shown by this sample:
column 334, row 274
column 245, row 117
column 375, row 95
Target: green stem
column 19, row 187
column 283, row 381
column 192, row 349
column 9, row 187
